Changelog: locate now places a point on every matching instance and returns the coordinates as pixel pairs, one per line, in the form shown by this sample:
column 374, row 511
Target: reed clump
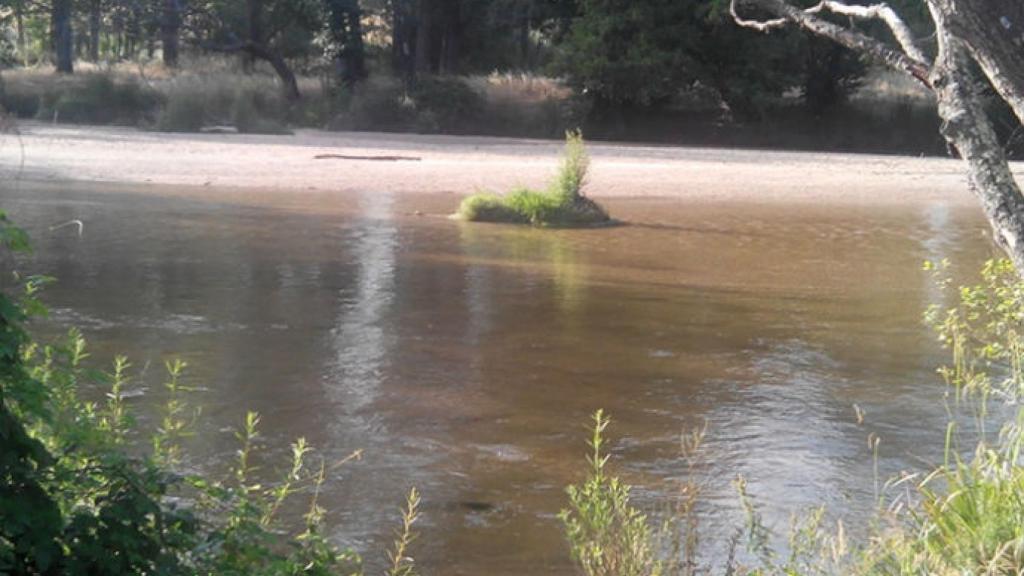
column 562, row 204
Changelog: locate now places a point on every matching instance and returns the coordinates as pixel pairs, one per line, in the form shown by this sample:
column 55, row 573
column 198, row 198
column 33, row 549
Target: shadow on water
column 465, row 358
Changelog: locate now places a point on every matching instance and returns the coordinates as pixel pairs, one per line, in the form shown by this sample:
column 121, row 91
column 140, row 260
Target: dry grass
column 887, row 114
column 520, row 88
column 204, row 91
column 883, row 84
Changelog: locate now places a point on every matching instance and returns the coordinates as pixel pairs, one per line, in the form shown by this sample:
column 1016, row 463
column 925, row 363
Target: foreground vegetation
column 562, row 204
column 965, row 516
column 78, row 496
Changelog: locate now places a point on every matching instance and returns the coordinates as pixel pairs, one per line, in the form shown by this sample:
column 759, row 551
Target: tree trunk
column 524, row 36
column 63, row 42
column 254, row 29
column 403, row 31
column 346, row 29
column 289, row 84
column 170, row 24
column 985, row 29
column 134, row 34
column 94, row 30
column 425, row 37
column 993, row 32
column 967, row 127
column 354, row 53
column 19, row 20
column 451, row 39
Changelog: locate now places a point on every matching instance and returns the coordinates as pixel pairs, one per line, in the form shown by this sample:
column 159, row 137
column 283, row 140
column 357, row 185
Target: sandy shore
column 465, row 164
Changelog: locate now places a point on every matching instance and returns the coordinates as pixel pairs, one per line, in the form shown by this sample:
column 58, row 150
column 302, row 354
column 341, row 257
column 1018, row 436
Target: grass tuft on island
column 561, row 205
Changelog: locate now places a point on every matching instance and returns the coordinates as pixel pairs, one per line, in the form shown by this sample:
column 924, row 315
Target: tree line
column 617, row 53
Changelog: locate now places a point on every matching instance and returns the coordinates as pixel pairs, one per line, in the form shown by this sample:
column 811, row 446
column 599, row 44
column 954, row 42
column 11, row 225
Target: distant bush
column 256, row 113
column 447, row 102
column 435, row 104
column 99, row 99
column 380, row 104
column 192, row 105
column 184, row 111
column 21, row 104
column 18, row 100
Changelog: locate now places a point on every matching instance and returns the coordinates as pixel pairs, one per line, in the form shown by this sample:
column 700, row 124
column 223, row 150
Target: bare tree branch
column 852, row 39
column 882, row 12
column 759, row 25
column 965, row 123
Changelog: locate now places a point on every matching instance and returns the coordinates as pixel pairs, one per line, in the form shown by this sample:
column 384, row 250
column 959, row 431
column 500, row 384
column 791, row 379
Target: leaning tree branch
column 857, row 41
column 256, row 50
column 759, row 25
column 882, row 12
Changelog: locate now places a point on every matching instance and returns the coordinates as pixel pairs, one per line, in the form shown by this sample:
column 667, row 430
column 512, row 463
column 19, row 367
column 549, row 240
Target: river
column 464, row 359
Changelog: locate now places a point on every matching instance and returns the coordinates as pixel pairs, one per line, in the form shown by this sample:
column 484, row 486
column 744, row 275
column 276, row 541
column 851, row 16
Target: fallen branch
column 351, row 157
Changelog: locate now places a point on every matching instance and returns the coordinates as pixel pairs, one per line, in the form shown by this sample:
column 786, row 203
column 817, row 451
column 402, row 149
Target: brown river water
column 465, row 359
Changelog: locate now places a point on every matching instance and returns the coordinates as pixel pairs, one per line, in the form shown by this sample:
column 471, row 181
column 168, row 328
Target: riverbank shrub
column 607, row 535
column 256, row 113
column 98, row 98
column 878, row 117
column 193, row 105
column 79, row 496
column 434, row 104
column 562, row 204
column 446, row 104
column 965, row 516
column 184, row 112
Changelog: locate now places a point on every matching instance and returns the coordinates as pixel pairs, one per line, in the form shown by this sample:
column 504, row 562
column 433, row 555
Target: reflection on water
column 486, row 247
column 465, row 358
column 361, row 338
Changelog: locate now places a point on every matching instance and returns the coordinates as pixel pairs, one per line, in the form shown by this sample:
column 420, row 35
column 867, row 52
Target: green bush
column 607, row 535
column 562, row 204
column 434, row 104
column 192, row 106
column 253, row 113
column 99, row 99
column 381, row 107
column 446, row 103
column 185, row 111
column 18, row 101
column 490, row 208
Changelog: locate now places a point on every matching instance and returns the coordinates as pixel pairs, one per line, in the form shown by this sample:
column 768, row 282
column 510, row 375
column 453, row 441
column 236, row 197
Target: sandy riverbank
column 465, row 164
